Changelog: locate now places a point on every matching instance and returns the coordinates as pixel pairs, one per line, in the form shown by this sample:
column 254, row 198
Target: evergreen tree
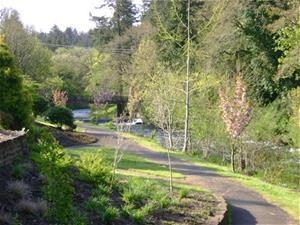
column 171, row 19
column 15, row 101
column 32, row 58
column 124, row 16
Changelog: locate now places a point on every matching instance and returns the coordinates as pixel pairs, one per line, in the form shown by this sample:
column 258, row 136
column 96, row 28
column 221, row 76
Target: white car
column 137, row 121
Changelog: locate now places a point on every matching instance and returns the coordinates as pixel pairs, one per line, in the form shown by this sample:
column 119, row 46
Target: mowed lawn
column 130, row 164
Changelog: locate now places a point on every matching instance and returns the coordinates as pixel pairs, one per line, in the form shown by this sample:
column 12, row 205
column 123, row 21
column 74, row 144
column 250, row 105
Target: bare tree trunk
column 187, row 88
column 115, row 164
column 170, row 137
column 242, row 159
column 118, row 153
column 171, row 173
column 232, row 157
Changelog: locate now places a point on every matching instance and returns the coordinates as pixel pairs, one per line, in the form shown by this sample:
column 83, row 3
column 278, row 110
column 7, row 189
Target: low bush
column 38, row 208
column 92, row 169
column 183, row 193
column 277, row 166
column 142, row 198
column 18, row 170
column 19, row 189
column 105, row 112
column 58, row 190
column 61, row 116
column 5, row 218
column 40, row 105
column 100, row 203
column 111, row 214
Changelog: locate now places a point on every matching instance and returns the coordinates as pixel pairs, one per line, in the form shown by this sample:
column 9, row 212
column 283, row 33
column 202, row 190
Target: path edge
column 221, row 215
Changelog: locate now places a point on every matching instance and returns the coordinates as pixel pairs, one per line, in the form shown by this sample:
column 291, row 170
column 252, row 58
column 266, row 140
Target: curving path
column 247, row 206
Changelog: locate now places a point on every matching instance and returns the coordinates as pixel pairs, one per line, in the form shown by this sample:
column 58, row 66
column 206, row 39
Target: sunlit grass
column 284, row 197
column 42, row 121
column 129, row 165
column 104, row 126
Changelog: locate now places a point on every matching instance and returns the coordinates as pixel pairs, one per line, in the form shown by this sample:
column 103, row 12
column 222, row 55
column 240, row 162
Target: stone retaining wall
column 12, row 145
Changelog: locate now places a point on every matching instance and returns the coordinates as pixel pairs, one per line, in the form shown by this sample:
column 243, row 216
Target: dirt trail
column 247, row 206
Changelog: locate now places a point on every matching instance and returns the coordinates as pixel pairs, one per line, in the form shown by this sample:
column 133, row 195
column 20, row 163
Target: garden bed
column 70, row 138
column 21, row 195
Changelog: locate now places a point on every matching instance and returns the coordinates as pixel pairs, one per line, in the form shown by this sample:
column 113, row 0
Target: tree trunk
column 242, row 159
column 232, row 157
column 171, row 173
column 187, row 87
column 170, row 137
column 114, row 166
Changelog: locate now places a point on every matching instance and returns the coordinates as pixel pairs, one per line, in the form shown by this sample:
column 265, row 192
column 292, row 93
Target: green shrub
column 61, row 116
column 293, row 124
column 100, row 203
column 164, row 202
column 277, row 166
column 92, row 169
column 183, row 193
column 37, row 134
column 270, row 123
column 110, row 214
column 140, row 215
column 15, row 99
column 102, row 189
column 18, row 171
column 142, row 198
column 107, row 112
column 40, row 105
column 58, row 191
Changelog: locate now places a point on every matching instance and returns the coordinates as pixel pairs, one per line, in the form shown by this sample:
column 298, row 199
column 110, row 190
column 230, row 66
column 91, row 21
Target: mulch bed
column 70, row 138
column 195, row 208
column 8, row 201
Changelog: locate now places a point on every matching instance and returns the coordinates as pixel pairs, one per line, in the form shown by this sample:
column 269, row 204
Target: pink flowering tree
column 101, row 100
column 236, row 112
column 102, row 97
column 59, row 98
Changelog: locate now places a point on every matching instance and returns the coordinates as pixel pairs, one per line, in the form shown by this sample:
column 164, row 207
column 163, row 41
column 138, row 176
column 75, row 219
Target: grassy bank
column 284, row 197
column 143, row 189
column 130, row 164
column 78, row 187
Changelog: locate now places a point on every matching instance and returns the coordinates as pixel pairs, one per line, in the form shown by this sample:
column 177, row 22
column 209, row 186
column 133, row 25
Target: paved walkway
column 247, row 206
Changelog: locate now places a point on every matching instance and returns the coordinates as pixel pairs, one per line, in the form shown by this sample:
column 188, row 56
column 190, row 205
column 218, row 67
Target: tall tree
column 246, row 31
column 73, row 66
column 114, row 30
column 288, row 42
column 31, row 56
column 56, row 37
column 15, row 100
column 124, row 16
column 171, row 20
column 175, row 37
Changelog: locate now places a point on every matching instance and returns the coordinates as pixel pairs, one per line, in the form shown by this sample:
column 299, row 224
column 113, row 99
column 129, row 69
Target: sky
column 43, row 14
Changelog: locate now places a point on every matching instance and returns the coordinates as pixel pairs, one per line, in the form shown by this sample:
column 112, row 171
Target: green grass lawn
column 42, row 121
column 104, row 126
column 285, row 198
column 130, row 165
